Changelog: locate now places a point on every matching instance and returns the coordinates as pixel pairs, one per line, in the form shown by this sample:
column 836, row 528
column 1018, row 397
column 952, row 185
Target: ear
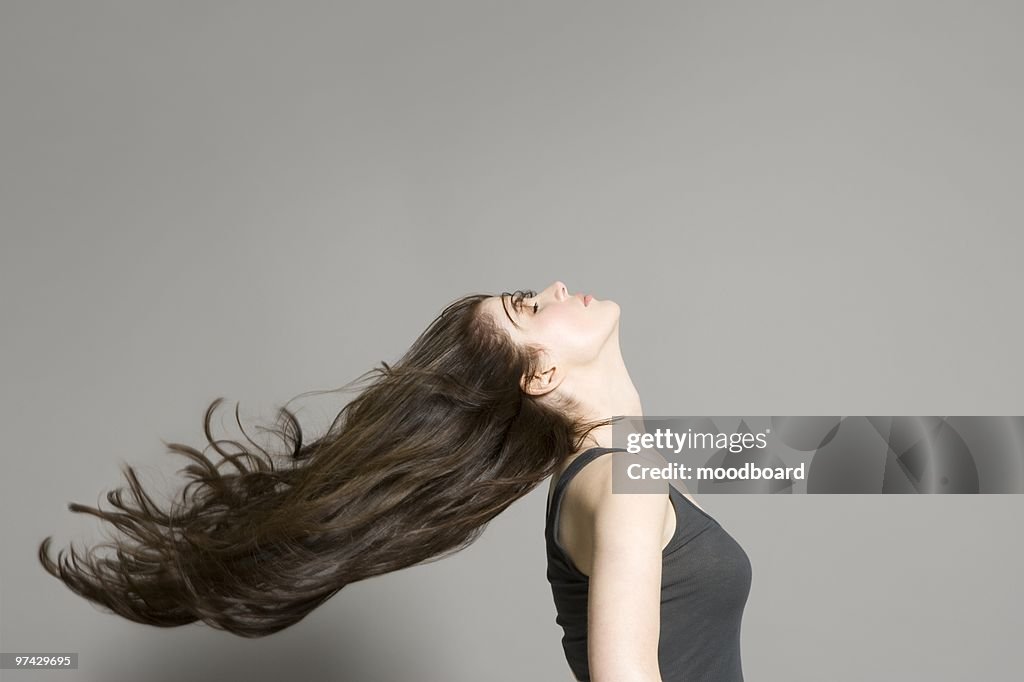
column 543, row 382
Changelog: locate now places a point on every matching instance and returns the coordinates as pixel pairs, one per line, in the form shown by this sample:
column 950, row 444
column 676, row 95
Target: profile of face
column 573, row 331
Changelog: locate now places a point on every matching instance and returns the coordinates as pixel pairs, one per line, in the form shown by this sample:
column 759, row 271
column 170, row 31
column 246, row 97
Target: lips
column 587, row 299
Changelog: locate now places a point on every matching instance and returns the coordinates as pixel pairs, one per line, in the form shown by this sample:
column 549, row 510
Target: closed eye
column 520, row 295
column 535, row 306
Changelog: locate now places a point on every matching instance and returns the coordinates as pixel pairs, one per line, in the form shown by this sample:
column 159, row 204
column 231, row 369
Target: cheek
column 580, row 334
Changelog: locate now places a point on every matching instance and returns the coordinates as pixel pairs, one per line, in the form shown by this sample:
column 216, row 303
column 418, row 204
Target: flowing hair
column 410, row 471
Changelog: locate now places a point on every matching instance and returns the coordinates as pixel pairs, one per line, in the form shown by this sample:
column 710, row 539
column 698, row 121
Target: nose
column 559, row 290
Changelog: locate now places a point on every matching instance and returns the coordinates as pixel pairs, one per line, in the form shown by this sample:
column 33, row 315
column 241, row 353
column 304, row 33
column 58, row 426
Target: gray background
column 802, row 208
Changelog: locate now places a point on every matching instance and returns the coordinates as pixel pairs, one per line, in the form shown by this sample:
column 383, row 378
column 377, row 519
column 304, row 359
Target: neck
column 604, row 390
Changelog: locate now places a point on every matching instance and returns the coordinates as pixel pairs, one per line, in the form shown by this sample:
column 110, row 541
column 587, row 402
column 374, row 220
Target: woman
column 498, row 394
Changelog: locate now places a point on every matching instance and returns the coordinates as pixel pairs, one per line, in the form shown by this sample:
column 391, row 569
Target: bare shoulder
column 595, row 517
column 593, row 483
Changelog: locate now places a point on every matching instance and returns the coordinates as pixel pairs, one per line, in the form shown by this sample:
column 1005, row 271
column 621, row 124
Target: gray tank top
column 705, row 581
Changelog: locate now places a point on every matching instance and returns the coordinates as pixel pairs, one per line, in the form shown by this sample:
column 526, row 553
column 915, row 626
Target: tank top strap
column 570, row 472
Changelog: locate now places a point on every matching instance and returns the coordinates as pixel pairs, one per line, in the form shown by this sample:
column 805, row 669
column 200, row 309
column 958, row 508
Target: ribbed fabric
column 705, row 581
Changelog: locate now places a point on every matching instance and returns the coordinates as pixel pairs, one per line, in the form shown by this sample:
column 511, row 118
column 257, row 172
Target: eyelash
column 528, row 294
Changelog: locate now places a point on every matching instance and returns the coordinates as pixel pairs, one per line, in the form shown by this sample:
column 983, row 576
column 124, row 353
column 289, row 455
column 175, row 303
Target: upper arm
column 624, row 618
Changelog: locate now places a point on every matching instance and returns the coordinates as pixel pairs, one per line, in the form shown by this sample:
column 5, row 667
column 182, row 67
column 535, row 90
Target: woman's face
column 571, row 328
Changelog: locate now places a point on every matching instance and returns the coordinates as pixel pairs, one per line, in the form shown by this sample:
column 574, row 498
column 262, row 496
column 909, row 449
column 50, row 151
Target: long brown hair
column 410, row 471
